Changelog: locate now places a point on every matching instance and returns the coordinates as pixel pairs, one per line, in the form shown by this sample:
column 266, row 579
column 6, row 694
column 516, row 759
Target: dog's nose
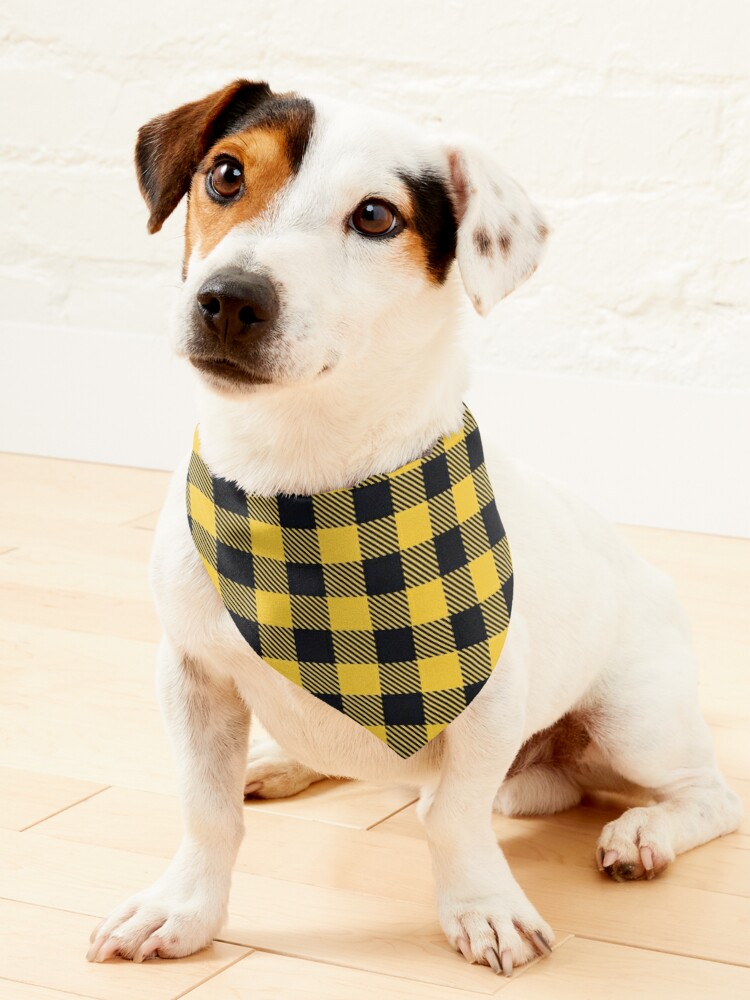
column 233, row 304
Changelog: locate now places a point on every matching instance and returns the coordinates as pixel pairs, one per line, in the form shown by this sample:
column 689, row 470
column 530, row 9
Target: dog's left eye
column 224, row 181
column 374, row 217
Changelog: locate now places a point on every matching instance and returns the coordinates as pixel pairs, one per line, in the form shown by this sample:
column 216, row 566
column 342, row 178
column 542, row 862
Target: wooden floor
column 332, row 895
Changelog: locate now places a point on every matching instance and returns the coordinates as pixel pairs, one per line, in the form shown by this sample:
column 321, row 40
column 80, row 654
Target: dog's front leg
column 483, row 910
column 183, row 910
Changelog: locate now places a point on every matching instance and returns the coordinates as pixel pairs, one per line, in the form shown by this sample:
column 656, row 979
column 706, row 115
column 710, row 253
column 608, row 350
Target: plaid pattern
column 389, row 601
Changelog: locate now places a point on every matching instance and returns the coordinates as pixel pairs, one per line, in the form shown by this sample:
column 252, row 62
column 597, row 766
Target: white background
column 622, row 368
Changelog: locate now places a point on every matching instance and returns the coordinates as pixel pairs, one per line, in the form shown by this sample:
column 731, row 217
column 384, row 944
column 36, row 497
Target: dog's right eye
column 224, row 180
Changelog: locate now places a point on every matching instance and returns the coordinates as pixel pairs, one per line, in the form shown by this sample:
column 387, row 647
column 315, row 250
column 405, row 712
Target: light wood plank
column 147, row 522
column 45, row 948
column 60, row 567
column 21, row 527
column 275, row 977
column 583, row 968
column 78, row 491
column 70, row 703
column 79, row 611
column 26, row 991
column 358, row 804
column 27, row 798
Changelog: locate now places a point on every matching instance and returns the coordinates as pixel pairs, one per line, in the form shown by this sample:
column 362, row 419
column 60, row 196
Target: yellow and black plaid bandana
column 389, row 601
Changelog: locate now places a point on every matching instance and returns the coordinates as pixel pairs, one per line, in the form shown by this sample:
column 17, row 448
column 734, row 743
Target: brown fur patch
column 482, row 242
column 561, row 745
column 504, row 241
column 542, row 231
column 266, row 163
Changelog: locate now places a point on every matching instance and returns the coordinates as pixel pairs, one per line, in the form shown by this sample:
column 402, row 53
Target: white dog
column 320, row 308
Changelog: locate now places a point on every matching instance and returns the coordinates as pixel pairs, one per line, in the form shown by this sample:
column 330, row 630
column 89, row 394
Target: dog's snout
column 235, row 304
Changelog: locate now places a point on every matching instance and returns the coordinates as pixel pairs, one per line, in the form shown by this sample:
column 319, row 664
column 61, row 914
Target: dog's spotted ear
column 501, row 234
column 170, row 147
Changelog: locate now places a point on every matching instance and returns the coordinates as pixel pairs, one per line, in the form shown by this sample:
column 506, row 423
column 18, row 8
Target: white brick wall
column 628, row 121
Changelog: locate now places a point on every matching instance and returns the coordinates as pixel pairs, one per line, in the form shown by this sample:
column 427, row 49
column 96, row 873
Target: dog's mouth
column 228, row 372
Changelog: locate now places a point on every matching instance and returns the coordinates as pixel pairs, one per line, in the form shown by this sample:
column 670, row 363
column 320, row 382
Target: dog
column 327, row 251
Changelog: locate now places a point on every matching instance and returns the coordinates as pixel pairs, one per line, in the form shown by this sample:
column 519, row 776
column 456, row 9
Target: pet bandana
column 389, row 601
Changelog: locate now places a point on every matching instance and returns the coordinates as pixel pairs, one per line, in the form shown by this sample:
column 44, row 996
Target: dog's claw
column 506, row 963
column 647, row 860
column 463, row 947
column 609, row 858
column 493, row 961
column 94, row 949
column 149, row 949
column 107, row 950
column 95, row 933
column 600, row 858
column 253, row 786
column 541, row 943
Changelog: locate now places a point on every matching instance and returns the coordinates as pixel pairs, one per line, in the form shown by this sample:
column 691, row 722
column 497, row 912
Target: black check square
column 436, row 476
column 449, row 548
column 249, row 630
column 296, row 512
column 235, row 565
column 403, row 709
column 306, row 578
column 384, row 574
column 373, row 502
column 334, row 700
column 474, row 450
column 314, row 645
column 393, row 644
column 229, row 496
column 492, row 523
column 469, row 627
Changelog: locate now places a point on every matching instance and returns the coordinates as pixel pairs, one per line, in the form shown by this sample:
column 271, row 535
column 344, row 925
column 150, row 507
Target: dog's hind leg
column 183, row 910
column 652, row 733
column 272, row 774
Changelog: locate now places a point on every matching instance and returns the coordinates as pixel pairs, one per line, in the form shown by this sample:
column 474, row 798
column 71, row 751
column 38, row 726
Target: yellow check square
column 349, row 614
column 427, row 602
column 202, row 510
column 266, row 540
column 288, row 668
column 359, row 678
column 465, row 498
column 434, row 729
column 379, row 731
column 440, row 672
column 496, row 643
column 339, row 545
column 273, row 609
column 484, row 575
column 413, row 525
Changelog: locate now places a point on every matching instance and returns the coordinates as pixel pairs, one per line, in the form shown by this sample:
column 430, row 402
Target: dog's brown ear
column 501, row 234
column 170, row 147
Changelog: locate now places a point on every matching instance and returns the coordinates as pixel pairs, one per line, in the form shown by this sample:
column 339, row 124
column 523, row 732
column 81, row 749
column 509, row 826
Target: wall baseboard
column 650, row 454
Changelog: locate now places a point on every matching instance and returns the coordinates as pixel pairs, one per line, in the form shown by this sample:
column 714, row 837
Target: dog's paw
column 153, row 925
column 634, row 846
column 493, row 932
column 272, row 774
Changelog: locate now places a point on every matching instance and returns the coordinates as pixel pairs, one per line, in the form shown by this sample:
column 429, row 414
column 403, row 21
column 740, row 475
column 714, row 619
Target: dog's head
column 322, row 234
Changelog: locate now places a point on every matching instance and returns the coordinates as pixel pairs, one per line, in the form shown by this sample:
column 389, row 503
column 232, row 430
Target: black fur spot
column 434, row 219
column 292, row 114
